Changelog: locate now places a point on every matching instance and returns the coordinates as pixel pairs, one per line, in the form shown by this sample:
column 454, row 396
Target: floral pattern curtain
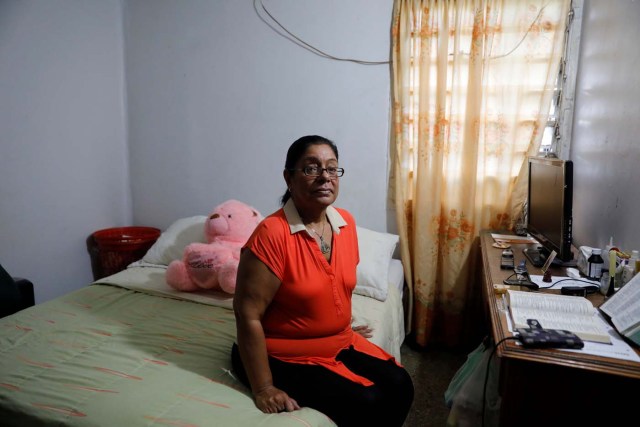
column 472, row 82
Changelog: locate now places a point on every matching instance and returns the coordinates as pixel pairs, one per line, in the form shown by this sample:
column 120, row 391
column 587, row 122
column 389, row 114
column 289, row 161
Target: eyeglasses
column 313, row 170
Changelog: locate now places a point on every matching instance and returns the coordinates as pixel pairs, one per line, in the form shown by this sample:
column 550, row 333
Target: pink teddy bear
column 214, row 265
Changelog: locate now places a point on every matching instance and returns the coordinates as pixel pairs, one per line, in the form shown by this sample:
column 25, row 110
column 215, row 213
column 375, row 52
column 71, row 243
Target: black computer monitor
column 550, row 205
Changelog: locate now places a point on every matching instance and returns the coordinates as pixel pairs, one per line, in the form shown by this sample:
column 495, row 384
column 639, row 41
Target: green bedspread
column 108, row 356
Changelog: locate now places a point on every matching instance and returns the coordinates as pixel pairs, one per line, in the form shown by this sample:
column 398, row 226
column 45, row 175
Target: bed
column 128, row 350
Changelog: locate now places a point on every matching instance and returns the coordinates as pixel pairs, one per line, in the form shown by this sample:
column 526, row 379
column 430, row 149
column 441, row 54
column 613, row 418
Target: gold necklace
column 324, row 246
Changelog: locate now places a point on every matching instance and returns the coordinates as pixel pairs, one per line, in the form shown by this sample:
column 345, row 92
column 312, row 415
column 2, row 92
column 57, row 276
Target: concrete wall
column 139, row 112
column 63, row 154
column 605, row 148
column 209, row 103
column 216, row 97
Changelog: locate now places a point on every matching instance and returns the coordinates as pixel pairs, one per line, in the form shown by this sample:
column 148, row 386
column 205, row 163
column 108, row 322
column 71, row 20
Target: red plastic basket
column 112, row 249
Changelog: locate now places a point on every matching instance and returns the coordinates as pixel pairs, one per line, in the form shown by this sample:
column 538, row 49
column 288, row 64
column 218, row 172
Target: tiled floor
column 431, row 371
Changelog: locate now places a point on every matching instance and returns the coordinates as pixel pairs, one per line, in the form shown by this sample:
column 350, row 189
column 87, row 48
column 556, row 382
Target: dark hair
column 296, row 151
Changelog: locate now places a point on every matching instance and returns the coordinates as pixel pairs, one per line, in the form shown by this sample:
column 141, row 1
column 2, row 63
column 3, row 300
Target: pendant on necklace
column 324, row 247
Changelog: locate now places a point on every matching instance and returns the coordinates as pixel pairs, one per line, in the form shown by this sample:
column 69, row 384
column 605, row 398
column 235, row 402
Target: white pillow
column 171, row 243
column 376, row 250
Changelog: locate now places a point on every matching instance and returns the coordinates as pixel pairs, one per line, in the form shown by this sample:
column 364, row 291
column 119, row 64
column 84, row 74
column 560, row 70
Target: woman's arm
column 255, row 287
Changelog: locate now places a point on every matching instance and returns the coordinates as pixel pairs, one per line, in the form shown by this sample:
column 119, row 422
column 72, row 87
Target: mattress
column 130, row 351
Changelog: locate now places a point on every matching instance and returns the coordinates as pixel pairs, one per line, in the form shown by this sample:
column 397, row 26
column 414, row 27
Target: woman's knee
column 386, row 407
column 398, row 379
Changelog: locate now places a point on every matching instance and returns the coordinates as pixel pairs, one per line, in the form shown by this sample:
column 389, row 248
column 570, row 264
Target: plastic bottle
column 627, row 274
column 609, row 246
column 605, row 281
column 629, row 269
column 595, row 264
column 634, row 261
column 619, row 273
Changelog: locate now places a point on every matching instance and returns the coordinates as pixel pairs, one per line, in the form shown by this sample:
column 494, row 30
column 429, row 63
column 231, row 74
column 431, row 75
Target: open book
column 553, row 311
column 624, row 309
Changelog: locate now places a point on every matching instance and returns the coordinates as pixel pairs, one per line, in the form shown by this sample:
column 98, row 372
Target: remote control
column 506, row 260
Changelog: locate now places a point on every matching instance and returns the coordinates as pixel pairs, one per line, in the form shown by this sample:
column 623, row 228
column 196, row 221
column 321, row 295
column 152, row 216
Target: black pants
column 386, row 403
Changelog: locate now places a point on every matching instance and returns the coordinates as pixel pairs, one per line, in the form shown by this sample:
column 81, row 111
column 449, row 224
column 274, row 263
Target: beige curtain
column 472, row 82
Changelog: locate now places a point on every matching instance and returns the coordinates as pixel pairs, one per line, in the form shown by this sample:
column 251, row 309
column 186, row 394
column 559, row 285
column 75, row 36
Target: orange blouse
column 309, row 318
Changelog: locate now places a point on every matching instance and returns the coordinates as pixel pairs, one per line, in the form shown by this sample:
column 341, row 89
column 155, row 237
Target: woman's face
column 314, row 191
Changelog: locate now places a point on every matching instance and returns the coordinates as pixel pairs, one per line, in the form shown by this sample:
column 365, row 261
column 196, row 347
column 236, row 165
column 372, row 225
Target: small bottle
column 609, row 246
column 630, row 268
column 595, row 264
column 634, row 261
column 627, row 273
column 619, row 272
column 605, row 282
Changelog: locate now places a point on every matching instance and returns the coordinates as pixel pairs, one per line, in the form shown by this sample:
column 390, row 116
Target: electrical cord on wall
column 297, row 40
column 486, row 374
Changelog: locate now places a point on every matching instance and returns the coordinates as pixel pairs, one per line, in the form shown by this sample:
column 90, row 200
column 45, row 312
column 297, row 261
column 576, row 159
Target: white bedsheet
column 396, row 275
column 385, row 318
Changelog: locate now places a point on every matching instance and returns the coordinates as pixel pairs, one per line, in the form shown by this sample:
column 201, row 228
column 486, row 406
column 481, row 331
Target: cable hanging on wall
column 295, row 39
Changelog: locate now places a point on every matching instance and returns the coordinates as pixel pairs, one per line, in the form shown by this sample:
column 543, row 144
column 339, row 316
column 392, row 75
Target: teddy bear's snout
column 218, row 224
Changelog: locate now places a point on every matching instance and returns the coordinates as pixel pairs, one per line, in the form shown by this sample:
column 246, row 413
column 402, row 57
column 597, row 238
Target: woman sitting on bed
column 295, row 345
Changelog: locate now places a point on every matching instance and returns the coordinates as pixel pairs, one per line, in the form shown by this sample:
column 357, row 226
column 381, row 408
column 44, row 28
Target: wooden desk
column 553, row 387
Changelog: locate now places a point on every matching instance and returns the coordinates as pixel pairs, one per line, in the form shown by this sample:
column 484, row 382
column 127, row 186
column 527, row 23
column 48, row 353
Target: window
column 556, row 138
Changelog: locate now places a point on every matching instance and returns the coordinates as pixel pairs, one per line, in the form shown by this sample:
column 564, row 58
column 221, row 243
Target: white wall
column 210, row 100
column 606, row 146
column 63, row 159
column 213, row 98
column 216, row 97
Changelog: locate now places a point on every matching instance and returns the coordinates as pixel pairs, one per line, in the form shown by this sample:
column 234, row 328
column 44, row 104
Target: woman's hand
column 271, row 400
column 363, row 330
